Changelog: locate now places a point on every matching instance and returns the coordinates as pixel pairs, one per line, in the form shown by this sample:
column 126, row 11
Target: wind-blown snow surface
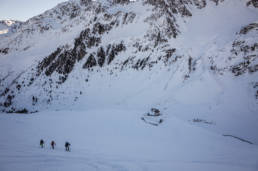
column 101, row 107
column 117, row 140
column 214, row 27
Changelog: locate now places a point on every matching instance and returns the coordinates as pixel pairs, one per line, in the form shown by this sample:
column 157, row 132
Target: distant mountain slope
column 8, row 26
column 5, row 24
column 188, row 57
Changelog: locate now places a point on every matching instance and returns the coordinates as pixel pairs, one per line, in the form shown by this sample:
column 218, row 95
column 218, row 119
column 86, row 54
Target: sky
column 25, row 9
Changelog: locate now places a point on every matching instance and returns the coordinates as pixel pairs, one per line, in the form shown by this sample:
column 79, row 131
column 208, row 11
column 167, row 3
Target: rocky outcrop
column 248, row 28
column 253, row 3
column 4, row 51
column 248, row 50
column 91, row 62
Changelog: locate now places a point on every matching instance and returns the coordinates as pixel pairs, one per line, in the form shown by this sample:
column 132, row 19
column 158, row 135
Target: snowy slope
column 115, row 139
column 105, row 63
column 143, row 34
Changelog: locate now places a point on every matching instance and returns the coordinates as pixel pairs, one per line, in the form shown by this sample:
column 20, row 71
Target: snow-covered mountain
column 190, row 57
column 5, row 25
column 8, row 27
column 134, row 85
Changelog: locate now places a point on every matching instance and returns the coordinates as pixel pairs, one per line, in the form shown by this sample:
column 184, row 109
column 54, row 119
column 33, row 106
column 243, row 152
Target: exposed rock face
column 121, row 1
column 217, row 1
column 63, row 61
column 101, row 56
column 252, row 2
column 4, row 51
column 248, row 28
column 91, row 62
column 249, row 51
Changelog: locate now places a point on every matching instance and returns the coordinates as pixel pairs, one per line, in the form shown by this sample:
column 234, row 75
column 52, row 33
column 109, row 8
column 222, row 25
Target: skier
column 41, row 143
column 53, row 144
column 67, row 146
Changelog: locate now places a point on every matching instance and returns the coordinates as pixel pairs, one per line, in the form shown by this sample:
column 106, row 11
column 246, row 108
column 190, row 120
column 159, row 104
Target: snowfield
column 116, row 140
column 94, row 71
